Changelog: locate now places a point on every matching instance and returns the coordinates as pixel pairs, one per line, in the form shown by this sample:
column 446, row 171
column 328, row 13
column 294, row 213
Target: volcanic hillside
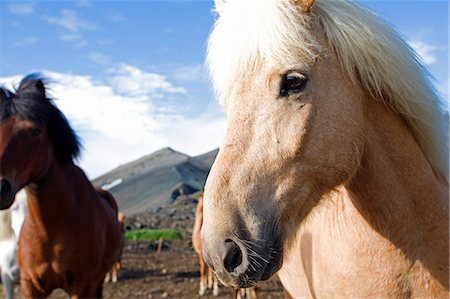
column 156, row 180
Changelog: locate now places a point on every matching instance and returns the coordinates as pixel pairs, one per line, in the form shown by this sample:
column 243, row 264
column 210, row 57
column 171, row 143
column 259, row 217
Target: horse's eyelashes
column 292, row 82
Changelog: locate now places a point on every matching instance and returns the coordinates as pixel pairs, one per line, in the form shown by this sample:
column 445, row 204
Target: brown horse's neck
column 399, row 194
column 51, row 199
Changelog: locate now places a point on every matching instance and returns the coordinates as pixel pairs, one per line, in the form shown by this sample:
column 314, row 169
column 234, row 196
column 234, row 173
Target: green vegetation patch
column 153, row 234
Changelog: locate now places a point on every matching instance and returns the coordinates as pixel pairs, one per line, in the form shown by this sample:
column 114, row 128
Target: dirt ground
column 173, row 273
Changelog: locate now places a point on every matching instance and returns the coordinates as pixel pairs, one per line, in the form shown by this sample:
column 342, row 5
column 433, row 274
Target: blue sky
column 129, row 74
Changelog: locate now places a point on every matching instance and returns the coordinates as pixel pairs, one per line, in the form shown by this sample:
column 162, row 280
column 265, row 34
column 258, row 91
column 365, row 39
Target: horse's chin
column 272, row 269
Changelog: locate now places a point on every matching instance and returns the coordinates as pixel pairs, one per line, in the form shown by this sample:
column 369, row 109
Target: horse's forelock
column 267, row 33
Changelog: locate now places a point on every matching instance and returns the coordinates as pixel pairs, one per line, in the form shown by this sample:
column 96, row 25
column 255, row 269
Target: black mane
column 30, row 102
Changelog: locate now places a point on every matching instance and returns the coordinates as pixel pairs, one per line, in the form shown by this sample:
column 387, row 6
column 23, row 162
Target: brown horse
column 208, row 279
column 113, row 275
column 70, row 237
column 333, row 170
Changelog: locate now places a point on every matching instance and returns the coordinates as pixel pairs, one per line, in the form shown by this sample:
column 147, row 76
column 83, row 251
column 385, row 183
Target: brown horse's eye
column 292, row 82
column 36, row 132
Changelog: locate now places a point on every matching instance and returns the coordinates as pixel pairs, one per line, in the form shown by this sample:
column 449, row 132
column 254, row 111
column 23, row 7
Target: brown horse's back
column 109, row 198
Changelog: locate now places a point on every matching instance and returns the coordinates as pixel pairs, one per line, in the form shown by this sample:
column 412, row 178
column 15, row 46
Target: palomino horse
column 334, row 166
column 207, row 277
column 10, row 224
column 70, row 237
column 113, row 275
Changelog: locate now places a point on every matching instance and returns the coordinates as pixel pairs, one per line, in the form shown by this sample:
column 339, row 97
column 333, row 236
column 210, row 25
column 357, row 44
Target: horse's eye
column 36, row 132
column 292, row 82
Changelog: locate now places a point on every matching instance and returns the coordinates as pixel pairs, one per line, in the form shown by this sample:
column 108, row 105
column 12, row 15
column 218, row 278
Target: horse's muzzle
column 7, row 194
column 241, row 263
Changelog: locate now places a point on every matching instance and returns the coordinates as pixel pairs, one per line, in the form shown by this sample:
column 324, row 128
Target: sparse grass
column 153, row 234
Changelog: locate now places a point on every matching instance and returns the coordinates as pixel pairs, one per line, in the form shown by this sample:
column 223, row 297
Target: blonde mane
column 372, row 55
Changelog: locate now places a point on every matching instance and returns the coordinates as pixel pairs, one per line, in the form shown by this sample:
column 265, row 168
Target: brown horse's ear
column 305, row 5
column 31, row 85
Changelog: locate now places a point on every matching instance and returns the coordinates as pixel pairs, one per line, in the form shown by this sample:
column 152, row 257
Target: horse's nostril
column 5, row 187
column 233, row 256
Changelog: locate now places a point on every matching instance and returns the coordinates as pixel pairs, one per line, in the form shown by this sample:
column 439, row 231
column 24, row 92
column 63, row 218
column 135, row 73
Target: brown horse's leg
column 210, row 277
column 108, row 276
column 115, row 272
column 85, row 289
column 215, row 283
column 203, row 277
column 29, row 291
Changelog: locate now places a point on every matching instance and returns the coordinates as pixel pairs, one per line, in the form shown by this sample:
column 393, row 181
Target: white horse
column 10, row 224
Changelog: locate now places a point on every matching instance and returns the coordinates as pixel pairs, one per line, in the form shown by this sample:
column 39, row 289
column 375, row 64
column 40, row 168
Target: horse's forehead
column 243, row 41
column 7, row 123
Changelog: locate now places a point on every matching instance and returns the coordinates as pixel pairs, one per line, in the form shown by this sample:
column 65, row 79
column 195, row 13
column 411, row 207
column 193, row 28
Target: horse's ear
column 31, row 85
column 305, row 4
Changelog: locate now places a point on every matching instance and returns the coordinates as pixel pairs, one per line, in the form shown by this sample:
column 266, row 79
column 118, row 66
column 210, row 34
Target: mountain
column 208, row 158
column 156, row 180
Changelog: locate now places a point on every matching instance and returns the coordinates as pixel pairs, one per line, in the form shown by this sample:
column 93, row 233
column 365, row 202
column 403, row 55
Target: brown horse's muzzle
column 7, row 194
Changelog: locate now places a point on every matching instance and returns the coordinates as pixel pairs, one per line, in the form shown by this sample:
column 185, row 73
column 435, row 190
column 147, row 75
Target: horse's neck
column 52, row 197
column 397, row 191
column 391, row 218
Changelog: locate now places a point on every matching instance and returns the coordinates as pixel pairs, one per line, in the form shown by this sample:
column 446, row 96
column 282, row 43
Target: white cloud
column 191, row 73
column 25, row 41
column 70, row 20
column 119, row 123
column 425, row 51
column 128, row 79
column 72, row 37
column 76, row 39
column 24, row 8
column 98, row 58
